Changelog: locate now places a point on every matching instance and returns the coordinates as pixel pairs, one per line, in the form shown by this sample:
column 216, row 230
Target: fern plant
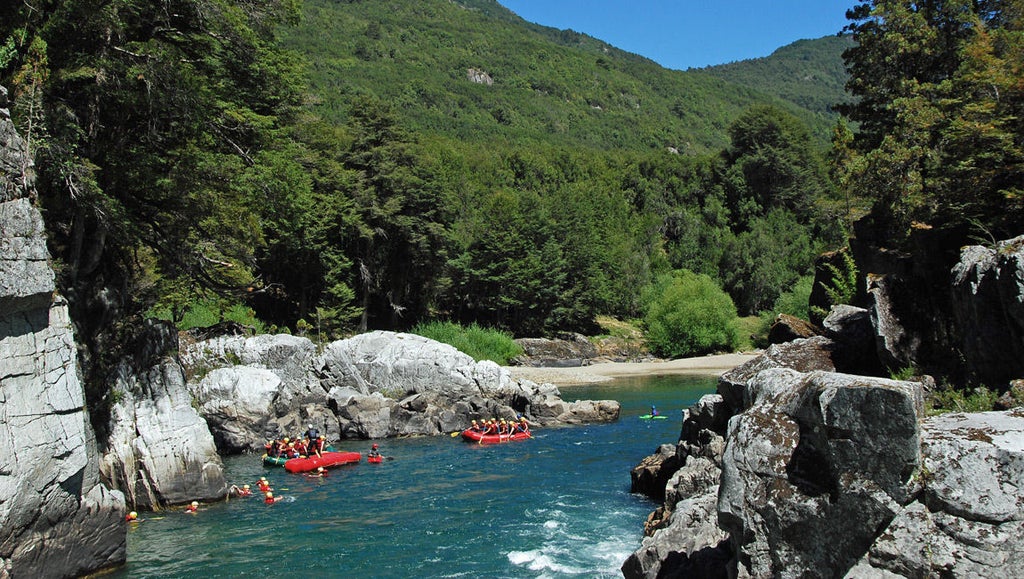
column 841, row 286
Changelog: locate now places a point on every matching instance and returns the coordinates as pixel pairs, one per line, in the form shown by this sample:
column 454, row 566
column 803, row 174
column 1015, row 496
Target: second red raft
column 474, row 436
column 326, row 459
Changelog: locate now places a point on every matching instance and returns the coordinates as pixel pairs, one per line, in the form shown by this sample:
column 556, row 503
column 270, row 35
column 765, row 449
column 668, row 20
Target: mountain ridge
column 546, row 84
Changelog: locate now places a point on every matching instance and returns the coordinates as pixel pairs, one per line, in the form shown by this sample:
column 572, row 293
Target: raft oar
column 456, row 433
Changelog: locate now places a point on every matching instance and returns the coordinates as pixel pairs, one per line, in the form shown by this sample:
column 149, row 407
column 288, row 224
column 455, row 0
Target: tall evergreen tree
column 939, row 97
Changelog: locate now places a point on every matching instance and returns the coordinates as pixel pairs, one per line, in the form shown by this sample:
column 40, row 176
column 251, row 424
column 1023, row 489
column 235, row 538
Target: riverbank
column 714, row 365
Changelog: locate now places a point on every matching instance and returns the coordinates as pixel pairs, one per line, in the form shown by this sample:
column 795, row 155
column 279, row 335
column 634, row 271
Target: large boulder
column 829, row 454
column 988, row 306
column 251, row 389
column 803, row 355
column 969, row 519
column 56, row 519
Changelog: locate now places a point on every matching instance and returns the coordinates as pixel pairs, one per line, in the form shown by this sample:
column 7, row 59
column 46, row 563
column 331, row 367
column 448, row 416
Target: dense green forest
column 330, row 167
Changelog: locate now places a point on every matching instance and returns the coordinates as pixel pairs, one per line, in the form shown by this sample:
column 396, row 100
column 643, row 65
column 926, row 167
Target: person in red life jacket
column 192, row 508
column 263, row 484
column 474, row 427
column 282, row 447
column 270, row 499
column 374, row 453
column 492, row 427
column 524, row 426
column 271, row 448
column 503, row 428
column 234, row 491
column 133, row 517
column 301, row 448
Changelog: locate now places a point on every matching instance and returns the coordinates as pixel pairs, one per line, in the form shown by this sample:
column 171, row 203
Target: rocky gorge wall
column 56, row 518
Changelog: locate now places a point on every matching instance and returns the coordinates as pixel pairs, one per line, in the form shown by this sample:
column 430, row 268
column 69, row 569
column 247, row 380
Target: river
column 555, row 506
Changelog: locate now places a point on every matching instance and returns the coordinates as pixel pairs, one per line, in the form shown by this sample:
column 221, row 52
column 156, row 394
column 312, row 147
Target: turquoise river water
column 555, row 506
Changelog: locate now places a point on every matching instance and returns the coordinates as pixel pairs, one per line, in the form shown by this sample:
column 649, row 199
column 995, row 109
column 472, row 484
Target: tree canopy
column 938, row 87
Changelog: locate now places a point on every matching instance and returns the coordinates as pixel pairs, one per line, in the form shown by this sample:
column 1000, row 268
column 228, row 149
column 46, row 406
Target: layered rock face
column 56, row 519
column 795, row 469
column 160, row 451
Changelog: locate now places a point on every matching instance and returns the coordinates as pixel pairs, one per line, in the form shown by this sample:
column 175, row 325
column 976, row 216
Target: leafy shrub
column 210, row 312
column 949, row 399
column 795, row 302
column 841, row 287
column 478, row 342
column 688, row 314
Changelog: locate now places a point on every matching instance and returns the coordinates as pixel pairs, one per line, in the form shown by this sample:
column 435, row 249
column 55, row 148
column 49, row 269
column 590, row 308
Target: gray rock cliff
column 56, row 519
column 159, row 450
column 795, row 469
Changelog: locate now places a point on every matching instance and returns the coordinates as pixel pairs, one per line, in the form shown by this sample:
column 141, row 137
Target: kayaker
column 654, row 411
column 374, row 453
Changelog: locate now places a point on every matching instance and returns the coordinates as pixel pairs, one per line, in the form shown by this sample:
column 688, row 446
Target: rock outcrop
column 570, row 351
column 373, row 385
column 796, row 469
column 988, row 306
column 56, row 519
column 160, row 451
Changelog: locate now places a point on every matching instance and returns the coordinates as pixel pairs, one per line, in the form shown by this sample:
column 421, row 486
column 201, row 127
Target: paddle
column 456, row 433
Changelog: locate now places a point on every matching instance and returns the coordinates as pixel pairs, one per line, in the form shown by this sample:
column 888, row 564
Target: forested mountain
column 541, row 84
column 807, row 73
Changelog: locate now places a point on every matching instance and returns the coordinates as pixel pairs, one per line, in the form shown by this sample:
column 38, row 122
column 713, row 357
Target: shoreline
column 711, row 365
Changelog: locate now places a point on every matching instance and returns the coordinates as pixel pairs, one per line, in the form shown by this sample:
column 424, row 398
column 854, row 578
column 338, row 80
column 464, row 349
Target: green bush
column 210, row 312
column 688, row 314
column 949, row 399
column 479, row 343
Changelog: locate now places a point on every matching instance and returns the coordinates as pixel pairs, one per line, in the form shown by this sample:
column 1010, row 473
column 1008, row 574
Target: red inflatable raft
column 326, row 460
column 474, row 436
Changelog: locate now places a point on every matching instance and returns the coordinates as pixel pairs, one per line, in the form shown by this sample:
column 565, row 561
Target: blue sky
column 681, row 34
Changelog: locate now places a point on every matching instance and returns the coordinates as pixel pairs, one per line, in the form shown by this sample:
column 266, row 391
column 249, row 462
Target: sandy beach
column 714, row 365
